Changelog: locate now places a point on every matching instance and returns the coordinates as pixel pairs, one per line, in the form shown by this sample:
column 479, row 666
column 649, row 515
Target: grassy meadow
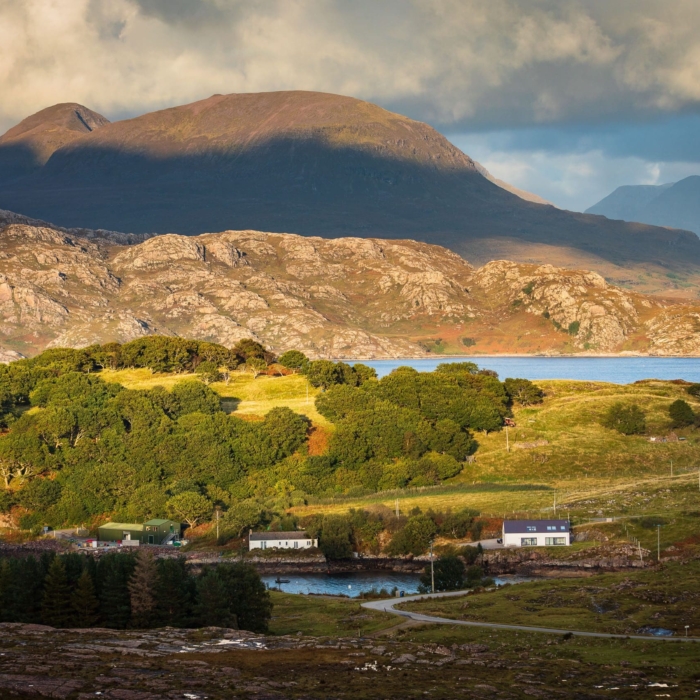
column 617, row 603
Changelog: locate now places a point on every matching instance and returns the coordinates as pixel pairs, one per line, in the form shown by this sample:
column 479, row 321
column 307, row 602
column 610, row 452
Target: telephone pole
column 507, row 441
column 432, row 569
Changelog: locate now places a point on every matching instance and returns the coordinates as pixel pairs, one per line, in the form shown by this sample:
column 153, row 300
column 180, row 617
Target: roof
column 513, row 526
column 120, row 526
column 296, row 535
column 159, row 521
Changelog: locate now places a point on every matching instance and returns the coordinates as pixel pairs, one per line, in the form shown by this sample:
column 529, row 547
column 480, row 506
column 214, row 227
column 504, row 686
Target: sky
column 566, row 98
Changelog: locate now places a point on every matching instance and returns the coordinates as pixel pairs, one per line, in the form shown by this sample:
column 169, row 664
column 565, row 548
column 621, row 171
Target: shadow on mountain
column 306, row 186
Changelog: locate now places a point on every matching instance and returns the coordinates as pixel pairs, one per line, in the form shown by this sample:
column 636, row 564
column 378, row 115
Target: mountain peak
column 28, row 145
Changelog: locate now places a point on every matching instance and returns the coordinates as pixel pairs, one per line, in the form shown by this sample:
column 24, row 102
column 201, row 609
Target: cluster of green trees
column 78, row 449
column 122, row 590
column 91, row 448
column 450, row 573
column 630, row 419
column 340, row 535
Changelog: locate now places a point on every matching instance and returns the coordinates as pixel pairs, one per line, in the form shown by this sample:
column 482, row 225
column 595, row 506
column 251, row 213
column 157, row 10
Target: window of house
column 296, row 545
column 551, row 541
column 531, row 528
column 551, row 527
column 528, row 541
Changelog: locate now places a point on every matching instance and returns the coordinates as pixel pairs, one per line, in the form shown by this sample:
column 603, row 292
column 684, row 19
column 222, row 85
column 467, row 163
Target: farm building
column 155, row 531
column 280, row 540
column 536, row 533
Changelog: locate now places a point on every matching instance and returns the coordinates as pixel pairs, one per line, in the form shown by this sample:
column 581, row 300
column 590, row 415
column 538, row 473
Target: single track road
column 388, row 606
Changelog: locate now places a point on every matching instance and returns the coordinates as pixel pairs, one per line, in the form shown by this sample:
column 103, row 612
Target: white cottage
column 536, row 533
column 280, row 540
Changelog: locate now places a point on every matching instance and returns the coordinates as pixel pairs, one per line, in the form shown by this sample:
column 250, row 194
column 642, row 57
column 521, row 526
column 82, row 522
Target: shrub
column 574, row 327
column 208, row 371
column 681, row 414
column 523, row 392
column 449, row 574
column 626, row 419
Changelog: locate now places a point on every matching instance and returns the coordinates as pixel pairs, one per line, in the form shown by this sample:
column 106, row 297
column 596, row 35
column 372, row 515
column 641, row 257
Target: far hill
column 320, row 164
column 675, row 204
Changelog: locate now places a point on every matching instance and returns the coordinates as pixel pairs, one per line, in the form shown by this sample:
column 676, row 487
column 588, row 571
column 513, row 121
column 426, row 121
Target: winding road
column 388, row 606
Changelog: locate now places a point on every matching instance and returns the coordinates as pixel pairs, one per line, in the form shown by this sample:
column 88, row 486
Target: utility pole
column 658, row 543
column 396, row 504
column 432, row 569
column 217, row 510
column 507, row 441
column 555, row 504
column 671, row 467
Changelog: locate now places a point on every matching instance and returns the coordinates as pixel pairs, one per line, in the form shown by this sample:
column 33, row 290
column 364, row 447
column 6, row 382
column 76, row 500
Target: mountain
column 26, row 147
column 343, row 297
column 676, row 204
column 324, row 165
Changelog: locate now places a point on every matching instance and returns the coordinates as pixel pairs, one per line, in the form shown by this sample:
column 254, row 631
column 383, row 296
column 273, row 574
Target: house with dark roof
column 280, row 540
column 536, row 533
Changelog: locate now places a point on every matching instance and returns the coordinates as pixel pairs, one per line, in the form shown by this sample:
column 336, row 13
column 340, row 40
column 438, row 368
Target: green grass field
column 619, row 603
column 242, row 396
column 325, row 616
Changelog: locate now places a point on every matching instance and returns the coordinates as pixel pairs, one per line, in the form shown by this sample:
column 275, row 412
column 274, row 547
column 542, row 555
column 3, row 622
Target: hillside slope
column 345, row 297
column 676, row 204
column 325, row 165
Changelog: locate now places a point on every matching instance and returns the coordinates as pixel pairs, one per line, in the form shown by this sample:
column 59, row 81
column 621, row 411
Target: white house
column 536, row 533
column 280, row 540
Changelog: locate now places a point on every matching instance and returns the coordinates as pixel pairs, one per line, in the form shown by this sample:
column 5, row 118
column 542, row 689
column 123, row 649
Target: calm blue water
column 353, row 584
column 619, row 370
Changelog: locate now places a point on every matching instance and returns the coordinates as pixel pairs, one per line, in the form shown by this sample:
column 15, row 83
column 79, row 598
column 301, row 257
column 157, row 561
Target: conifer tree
column 86, row 606
column 174, row 593
column 6, row 602
column 56, row 609
column 142, row 589
column 114, row 572
column 213, row 607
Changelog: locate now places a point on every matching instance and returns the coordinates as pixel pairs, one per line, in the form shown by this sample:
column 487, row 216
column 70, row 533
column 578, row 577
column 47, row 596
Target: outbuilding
column 156, row 531
column 536, row 533
column 280, row 540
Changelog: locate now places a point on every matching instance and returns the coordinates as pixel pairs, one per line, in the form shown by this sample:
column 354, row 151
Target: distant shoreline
column 607, row 356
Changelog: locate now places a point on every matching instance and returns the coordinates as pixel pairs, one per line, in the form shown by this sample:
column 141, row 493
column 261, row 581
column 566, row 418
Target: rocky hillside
column 313, row 164
column 345, row 297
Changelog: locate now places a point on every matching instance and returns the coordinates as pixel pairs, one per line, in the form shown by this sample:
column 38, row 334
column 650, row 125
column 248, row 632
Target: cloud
column 456, row 63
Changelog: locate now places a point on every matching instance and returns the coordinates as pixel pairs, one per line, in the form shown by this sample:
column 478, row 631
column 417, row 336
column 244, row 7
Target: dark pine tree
column 86, row 606
column 114, row 572
column 56, row 608
column 213, row 606
column 142, row 590
column 174, row 593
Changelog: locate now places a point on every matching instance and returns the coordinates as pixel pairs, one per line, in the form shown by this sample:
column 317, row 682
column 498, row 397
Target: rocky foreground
column 42, row 662
column 346, row 297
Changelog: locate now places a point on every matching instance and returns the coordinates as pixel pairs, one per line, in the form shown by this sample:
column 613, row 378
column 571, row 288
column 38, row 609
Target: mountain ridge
column 342, row 297
column 326, row 165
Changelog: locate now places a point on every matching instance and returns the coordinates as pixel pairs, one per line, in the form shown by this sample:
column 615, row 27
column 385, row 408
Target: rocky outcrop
column 345, row 297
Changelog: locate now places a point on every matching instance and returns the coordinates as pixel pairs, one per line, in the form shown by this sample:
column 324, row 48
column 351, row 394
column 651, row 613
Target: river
column 618, row 370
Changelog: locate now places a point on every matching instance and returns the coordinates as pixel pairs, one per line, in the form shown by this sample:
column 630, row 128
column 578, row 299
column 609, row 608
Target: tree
column 523, row 392
column 626, row 419
column 56, row 608
column 174, row 593
column 256, row 365
column 324, row 373
column 364, row 373
column 84, row 602
column 113, row 574
column 335, row 537
column 208, row 371
column 241, row 516
column 449, row 574
column 249, row 599
column 39, row 494
column 681, row 414
column 194, row 397
column 213, row 607
column 694, row 390
column 414, row 537
column 189, row 506
column 142, row 585
column 294, row 360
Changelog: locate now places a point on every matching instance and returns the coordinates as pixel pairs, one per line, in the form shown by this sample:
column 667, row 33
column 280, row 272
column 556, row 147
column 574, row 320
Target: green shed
column 156, row 531
column 117, row 532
